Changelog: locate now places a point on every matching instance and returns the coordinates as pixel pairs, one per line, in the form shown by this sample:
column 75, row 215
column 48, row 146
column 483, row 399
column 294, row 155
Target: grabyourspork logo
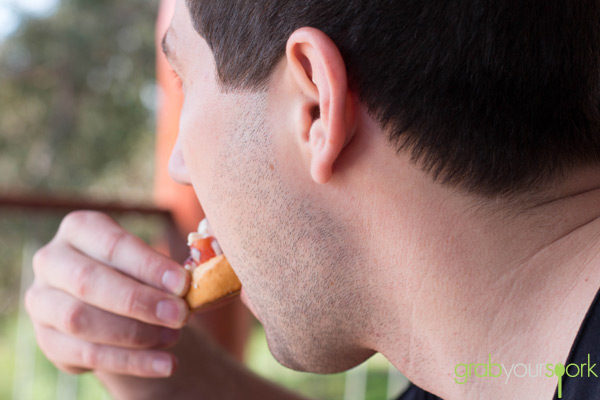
column 465, row 372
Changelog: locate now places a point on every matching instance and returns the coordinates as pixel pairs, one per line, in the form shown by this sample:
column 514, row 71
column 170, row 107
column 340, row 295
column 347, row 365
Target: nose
column 177, row 168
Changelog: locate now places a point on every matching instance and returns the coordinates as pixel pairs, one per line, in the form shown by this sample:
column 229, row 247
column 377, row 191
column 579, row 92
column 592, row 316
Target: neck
column 473, row 279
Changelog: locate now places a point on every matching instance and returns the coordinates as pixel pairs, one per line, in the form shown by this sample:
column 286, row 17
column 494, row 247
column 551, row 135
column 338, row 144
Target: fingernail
column 174, row 280
column 169, row 311
column 162, row 366
column 168, row 336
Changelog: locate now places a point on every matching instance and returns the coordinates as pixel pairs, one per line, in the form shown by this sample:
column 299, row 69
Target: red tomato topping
column 205, row 248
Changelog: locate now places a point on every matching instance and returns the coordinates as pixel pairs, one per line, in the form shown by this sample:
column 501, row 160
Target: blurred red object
column 168, row 194
column 230, row 324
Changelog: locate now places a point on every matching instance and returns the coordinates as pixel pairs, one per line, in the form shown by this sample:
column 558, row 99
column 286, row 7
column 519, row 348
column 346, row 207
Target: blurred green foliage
column 76, row 117
column 76, row 97
column 77, row 94
column 16, row 228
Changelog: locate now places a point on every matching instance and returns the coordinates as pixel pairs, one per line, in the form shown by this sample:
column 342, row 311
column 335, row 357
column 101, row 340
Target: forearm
column 204, row 371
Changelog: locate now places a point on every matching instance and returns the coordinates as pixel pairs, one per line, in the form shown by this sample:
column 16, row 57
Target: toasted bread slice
column 212, row 280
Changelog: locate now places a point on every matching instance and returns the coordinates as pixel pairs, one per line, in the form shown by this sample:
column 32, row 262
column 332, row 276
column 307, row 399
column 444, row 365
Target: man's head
column 306, row 123
column 493, row 96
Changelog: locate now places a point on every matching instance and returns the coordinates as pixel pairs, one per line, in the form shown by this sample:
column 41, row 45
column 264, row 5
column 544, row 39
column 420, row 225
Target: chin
column 316, row 359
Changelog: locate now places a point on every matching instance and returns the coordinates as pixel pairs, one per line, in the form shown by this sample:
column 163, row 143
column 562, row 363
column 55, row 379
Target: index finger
column 100, row 237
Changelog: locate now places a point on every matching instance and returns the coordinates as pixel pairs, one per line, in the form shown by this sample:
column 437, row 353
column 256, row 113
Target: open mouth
column 203, row 246
column 213, row 279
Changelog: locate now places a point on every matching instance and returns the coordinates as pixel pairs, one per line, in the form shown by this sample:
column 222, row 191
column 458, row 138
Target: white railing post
column 355, row 387
column 66, row 386
column 25, row 345
column 396, row 382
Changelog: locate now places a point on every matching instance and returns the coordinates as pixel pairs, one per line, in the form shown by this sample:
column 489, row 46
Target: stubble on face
column 296, row 259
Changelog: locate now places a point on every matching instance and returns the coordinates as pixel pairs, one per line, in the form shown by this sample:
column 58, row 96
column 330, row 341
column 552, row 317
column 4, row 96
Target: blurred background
column 78, row 110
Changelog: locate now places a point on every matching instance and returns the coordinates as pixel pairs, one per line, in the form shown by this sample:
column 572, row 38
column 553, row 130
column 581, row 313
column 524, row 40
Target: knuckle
column 40, row 257
column 74, row 319
column 122, row 361
column 46, row 345
column 73, row 219
column 29, row 300
column 136, row 337
column 131, row 301
column 113, row 242
column 89, row 356
column 82, row 279
column 43, row 342
column 133, row 364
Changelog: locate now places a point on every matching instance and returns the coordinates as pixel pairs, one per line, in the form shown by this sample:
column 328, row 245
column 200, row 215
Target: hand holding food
column 104, row 300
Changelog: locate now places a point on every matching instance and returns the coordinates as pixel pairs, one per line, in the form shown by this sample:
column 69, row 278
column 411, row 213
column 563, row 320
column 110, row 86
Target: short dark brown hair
column 497, row 97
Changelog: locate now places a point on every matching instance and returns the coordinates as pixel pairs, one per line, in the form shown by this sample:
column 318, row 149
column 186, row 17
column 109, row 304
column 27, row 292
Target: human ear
column 326, row 110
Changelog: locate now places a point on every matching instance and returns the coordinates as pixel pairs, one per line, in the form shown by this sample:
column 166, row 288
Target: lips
column 203, row 246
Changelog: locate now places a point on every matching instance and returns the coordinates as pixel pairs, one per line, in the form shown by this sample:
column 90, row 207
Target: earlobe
column 327, row 120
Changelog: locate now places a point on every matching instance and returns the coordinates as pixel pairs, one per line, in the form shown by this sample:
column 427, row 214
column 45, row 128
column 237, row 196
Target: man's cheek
column 204, row 121
column 195, row 159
